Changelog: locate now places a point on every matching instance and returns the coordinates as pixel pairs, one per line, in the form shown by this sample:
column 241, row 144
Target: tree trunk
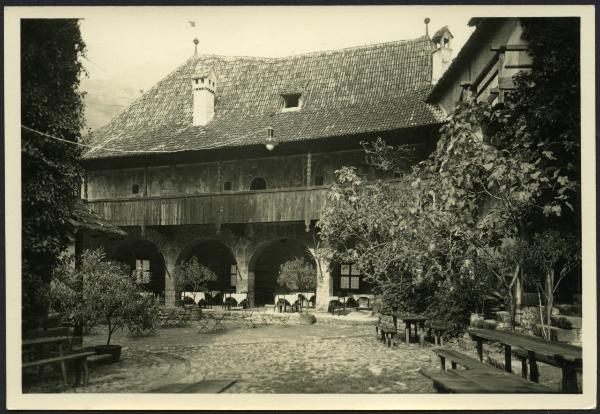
column 549, row 295
column 109, row 331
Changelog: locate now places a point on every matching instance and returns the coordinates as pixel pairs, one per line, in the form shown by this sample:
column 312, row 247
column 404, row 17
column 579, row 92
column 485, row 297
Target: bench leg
column 453, row 365
column 436, row 339
column 422, row 338
column 407, row 334
column 443, row 363
column 533, row 369
column 569, row 380
column 524, row 368
column 480, row 350
column 507, row 358
column 86, row 372
column 63, row 370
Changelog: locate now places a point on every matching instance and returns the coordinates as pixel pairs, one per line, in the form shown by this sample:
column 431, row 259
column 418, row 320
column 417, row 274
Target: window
column 258, row 183
column 291, row 101
column 135, row 189
column 142, row 271
column 319, row 180
column 233, row 275
column 350, row 277
column 227, row 186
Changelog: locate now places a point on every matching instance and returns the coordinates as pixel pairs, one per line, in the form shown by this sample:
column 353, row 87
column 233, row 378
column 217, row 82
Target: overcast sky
column 138, row 46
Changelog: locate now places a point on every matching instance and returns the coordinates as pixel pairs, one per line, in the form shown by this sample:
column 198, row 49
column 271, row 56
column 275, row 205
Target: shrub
column 99, row 291
column 143, row 316
column 297, row 275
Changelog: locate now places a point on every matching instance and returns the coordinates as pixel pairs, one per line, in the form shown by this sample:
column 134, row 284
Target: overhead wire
column 238, row 140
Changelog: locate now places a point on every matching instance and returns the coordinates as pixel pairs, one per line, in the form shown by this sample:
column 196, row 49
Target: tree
column 297, row 275
column 99, row 291
column 192, row 276
column 551, row 255
column 497, row 174
column 51, row 52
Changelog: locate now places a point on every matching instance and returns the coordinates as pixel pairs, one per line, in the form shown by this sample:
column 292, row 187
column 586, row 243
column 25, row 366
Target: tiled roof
column 348, row 91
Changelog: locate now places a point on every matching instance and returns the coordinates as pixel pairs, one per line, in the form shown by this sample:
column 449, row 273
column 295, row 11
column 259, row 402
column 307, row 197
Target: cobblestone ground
column 320, row 358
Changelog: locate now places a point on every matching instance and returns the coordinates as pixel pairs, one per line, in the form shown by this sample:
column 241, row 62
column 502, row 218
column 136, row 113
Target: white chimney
column 204, row 87
column 442, row 55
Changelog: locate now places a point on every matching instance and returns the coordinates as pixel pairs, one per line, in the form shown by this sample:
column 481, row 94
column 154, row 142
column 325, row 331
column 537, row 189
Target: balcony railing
column 292, row 204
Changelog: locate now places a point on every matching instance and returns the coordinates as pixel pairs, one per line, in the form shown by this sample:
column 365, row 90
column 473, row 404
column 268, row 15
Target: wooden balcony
column 294, row 204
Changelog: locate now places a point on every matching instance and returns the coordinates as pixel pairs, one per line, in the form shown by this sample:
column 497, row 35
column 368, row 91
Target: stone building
column 228, row 159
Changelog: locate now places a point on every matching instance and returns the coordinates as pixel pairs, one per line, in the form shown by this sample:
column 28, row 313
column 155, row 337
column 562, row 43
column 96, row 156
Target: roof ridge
column 316, row 52
column 364, row 46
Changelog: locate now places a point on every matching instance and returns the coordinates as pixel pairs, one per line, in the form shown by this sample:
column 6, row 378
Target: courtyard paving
column 319, row 358
column 326, row 357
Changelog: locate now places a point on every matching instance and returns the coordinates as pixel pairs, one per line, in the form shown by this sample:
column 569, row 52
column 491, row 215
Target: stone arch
column 263, row 266
column 144, row 256
column 219, row 257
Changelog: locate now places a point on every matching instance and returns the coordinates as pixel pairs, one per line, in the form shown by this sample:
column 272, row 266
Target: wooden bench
column 480, row 381
column 532, row 371
column 387, row 331
column 456, row 358
column 81, row 358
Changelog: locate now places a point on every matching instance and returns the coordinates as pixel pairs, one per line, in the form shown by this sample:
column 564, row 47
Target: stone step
column 489, row 324
column 569, row 309
column 559, row 335
column 503, row 316
column 566, row 322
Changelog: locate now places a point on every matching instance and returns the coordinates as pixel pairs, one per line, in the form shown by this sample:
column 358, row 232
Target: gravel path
column 320, row 358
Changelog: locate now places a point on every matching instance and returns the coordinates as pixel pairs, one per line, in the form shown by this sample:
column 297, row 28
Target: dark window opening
column 135, row 189
column 227, row 186
column 291, row 101
column 258, row 183
column 319, row 180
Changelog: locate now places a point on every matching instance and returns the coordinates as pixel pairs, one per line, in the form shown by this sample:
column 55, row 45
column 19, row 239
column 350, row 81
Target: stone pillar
column 243, row 282
column 324, row 284
column 250, row 289
column 170, row 294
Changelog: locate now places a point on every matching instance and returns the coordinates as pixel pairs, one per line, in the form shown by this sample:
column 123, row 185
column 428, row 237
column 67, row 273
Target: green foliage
column 142, row 317
column 51, row 52
column 99, row 291
column 192, row 276
column 297, row 275
column 454, row 234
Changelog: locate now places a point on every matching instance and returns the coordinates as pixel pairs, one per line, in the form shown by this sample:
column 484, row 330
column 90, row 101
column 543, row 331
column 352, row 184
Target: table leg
column 407, row 333
column 569, row 380
column 507, row 358
column 533, row 369
column 480, row 350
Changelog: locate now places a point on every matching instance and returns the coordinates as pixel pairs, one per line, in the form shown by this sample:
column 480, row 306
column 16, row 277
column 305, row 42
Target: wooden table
column 567, row 357
column 417, row 322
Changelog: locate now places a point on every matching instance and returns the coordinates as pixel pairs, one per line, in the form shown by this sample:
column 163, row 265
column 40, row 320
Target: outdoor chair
column 364, row 302
column 206, row 319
